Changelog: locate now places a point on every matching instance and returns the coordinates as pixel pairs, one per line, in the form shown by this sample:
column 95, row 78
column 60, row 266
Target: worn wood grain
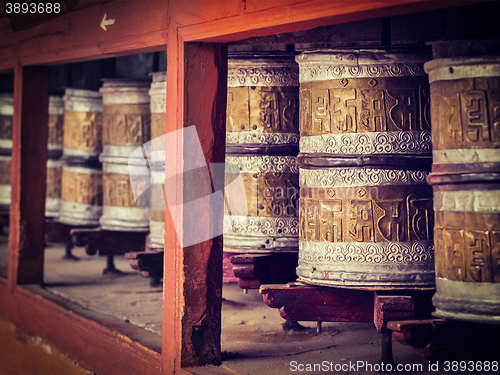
column 28, row 175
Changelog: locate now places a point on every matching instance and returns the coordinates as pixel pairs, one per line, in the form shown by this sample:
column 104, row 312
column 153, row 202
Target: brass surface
column 83, row 130
column 5, row 165
column 468, row 246
column 262, row 109
column 83, row 188
column 157, row 215
column 366, row 214
column 157, row 124
column 271, row 194
column 117, row 190
column 466, row 113
column 5, row 127
column 126, row 124
column 54, row 175
column 364, row 105
column 56, row 129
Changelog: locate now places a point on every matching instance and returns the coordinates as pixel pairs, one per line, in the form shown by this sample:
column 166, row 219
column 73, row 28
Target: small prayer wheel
column 126, row 126
column 465, row 84
column 6, row 112
column 55, row 149
column 82, row 134
column 262, row 142
column 158, row 94
column 81, row 195
column 365, row 216
column 53, row 199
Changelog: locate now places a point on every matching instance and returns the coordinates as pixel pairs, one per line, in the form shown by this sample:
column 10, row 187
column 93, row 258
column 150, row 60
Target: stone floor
column 253, row 341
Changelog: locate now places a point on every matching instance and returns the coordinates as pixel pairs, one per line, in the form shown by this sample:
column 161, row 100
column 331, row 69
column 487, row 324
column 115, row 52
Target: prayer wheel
column 158, row 94
column 126, row 126
column 6, row 112
column 82, row 134
column 365, row 211
column 81, row 195
column 465, row 85
column 81, row 177
column 262, row 142
column 55, row 149
column 53, row 199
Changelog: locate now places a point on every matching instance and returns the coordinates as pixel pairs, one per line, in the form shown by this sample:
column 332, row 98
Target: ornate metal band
column 369, row 143
column 387, row 264
column 345, row 177
column 262, row 72
column 263, row 226
column 247, row 138
column 76, row 100
column 131, row 219
column 264, row 164
column 79, row 213
column 319, row 65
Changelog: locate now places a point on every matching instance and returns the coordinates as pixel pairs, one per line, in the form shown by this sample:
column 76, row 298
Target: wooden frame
column 193, row 32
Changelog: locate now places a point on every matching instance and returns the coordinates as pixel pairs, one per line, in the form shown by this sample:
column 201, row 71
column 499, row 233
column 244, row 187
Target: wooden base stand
column 60, row 233
column 253, row 270
column 4, row 218
column 301, row 302
column 447, row 340
column 108, row 243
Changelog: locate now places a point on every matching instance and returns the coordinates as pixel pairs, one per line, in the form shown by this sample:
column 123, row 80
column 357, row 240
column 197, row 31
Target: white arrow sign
column 106, row 22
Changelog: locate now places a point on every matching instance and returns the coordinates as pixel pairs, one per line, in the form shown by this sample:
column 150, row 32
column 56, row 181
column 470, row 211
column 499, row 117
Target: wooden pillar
column 28, row 175
column 196, row 95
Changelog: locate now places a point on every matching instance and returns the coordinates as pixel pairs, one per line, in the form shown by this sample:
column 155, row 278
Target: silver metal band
column 486, row 201
column 384, row 143
column 458, row 156
column 157, row 234
column 82, row 101
column 5, row 194
column 449, row 69
column 347, row 177
column 264, row 164
column 132, row 219
column 79, row 213
column 243, row 138
column 52, row 207
column 327, row 64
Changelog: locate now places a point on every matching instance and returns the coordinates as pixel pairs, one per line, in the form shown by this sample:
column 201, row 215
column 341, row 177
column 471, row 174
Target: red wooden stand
column 253, row 270
column 60, row 233
column 108, row 243
column 301, row 302
column 447, row 340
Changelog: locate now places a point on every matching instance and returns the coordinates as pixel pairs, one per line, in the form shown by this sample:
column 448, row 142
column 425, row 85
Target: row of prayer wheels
column 100, row 131
column 356, row 202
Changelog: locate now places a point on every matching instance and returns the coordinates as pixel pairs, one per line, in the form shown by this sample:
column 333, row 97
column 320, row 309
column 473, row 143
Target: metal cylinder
column 262, row 142
column 465, row 82
column 365, row 211
column 126, row 126
column 55, row 149
column 6, row 113
column 56, row 121
column 81, row 195
column 82, row 134
column 81, row 178
column 53, row 198
column 158, row 94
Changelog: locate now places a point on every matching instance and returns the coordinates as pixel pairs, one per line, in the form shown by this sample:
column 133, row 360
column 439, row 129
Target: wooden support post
column 196, row 95
column 28, row 175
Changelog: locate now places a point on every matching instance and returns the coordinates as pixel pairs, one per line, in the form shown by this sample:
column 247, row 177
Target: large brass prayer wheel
column 365, row 152
column 158, row 94
column 126, row 126
column 55, row 149
column 82, row 129
column 262, row 141
column 6, row 112
column 465, row 87
column 81, row 178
